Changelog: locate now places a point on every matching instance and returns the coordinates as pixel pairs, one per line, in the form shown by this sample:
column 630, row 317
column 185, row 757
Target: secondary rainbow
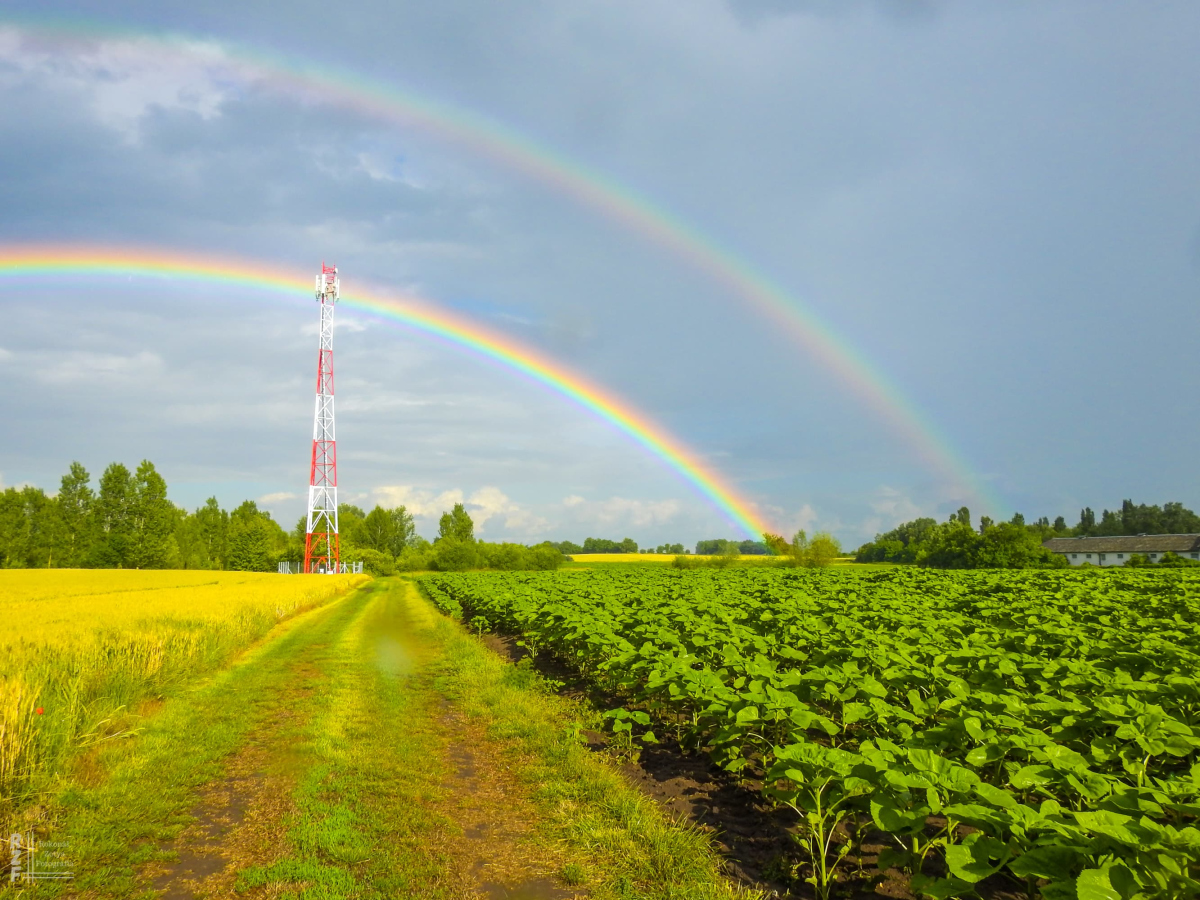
column 494, row 140
column 43, row 261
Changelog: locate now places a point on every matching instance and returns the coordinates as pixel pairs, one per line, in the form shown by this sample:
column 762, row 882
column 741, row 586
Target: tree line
column 1015, row 544
column 597, row 545
column 456, row 549
column 720, row 547
column 128, row 522
column 713, row 547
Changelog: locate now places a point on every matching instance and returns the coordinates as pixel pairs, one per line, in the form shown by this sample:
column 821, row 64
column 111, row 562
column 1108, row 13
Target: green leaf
column 894, row 820
column 854, row 712
column 1113, row 825
column 996, row 796
column 985, row 754
column 976, row 815
column 746, row 715
column 940, row 888
column 1033, row 776
column 976, row 858
column 1094, row 884
column 1053, row 862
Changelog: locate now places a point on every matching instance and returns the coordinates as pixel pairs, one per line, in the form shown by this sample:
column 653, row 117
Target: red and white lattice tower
column 321, row 551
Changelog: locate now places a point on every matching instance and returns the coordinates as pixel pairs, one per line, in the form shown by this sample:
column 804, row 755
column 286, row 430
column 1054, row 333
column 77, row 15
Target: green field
column 1029, row 731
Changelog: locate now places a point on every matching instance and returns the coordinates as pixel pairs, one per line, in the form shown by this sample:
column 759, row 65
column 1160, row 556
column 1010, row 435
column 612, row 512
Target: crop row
column 1042, row 725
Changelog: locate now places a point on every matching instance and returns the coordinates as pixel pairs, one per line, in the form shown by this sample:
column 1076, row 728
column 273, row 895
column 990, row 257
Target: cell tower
column 321, row 551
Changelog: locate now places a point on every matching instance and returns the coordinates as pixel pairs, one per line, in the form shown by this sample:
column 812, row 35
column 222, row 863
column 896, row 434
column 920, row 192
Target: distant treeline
column 128, row 522
column 596, row 545
column 714, row 547
column 1015, row 544
column 721, row 547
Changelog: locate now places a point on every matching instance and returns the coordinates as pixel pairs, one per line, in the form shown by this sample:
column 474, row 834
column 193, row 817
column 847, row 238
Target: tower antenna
column 321, row 548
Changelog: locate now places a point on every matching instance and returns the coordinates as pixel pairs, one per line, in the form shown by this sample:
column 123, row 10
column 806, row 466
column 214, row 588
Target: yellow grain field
column 80, row 648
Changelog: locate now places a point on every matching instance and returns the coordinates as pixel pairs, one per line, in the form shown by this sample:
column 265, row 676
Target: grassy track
column 368, row 748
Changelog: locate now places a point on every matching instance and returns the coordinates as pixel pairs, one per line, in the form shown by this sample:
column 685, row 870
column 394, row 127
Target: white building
column 1115, row 551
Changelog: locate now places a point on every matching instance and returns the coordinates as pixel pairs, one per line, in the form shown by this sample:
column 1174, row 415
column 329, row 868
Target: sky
column 995, row 206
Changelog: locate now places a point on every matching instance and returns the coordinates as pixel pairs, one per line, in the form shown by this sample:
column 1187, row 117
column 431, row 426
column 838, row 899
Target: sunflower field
column 1027, row 731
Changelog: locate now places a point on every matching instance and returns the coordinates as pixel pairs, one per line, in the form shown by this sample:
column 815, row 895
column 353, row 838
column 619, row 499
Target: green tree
column 777, row 545
column 824, row 548
column 456, row 524
column 29, row 528
column 75, row 497
column 212, row 529
column 455, row 554
column 250, row 544
column 600, row 545
column 152, row 521
column 386, row 530
column 350, row 517
column 112, row 519
column 629, row 545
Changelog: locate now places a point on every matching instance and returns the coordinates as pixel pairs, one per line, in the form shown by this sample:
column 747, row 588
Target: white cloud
column 421, row 503
column 525, row 522
column 573, row 500
column 485, row 504
column 277, row 497
column 804, row 518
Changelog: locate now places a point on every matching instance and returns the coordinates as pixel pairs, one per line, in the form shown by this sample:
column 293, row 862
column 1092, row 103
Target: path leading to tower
column 371, row 748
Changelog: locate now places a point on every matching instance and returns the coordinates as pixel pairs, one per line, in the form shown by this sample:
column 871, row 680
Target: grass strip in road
column 366, row 823
column 620, row 844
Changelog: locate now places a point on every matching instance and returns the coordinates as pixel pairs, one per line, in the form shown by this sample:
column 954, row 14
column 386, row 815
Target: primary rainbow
column 591, row 188
column 53, row 260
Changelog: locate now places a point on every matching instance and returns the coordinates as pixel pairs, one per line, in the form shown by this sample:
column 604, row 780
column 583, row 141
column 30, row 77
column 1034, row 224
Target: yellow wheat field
column 85, row 646
column 64, row 607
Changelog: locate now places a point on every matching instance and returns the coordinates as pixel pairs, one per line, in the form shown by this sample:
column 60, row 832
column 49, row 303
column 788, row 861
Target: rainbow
column 496, row 141
column 42, row 261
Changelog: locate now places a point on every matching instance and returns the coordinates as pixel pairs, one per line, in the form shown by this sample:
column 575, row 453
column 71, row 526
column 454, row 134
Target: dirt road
column 369, row 748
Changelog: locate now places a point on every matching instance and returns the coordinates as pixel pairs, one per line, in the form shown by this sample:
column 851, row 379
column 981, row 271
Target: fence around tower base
column 346, row 568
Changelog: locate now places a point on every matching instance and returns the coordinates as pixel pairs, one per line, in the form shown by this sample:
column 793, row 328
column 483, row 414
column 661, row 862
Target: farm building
column 1115, row 551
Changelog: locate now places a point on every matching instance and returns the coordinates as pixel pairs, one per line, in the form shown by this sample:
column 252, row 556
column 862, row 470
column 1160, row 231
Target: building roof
column 1142, row 543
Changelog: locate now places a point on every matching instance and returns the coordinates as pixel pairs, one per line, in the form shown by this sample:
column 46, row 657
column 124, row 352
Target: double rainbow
column 494, row 140
column 43, row 260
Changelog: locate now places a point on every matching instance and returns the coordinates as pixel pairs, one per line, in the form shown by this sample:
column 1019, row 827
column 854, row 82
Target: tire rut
column 240, row 818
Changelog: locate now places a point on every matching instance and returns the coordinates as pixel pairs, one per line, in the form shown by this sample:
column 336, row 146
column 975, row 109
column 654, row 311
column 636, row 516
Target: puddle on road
column 397, row 627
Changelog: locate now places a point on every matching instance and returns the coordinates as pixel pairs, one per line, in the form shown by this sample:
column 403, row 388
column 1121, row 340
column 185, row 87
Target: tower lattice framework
column 321, row 549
